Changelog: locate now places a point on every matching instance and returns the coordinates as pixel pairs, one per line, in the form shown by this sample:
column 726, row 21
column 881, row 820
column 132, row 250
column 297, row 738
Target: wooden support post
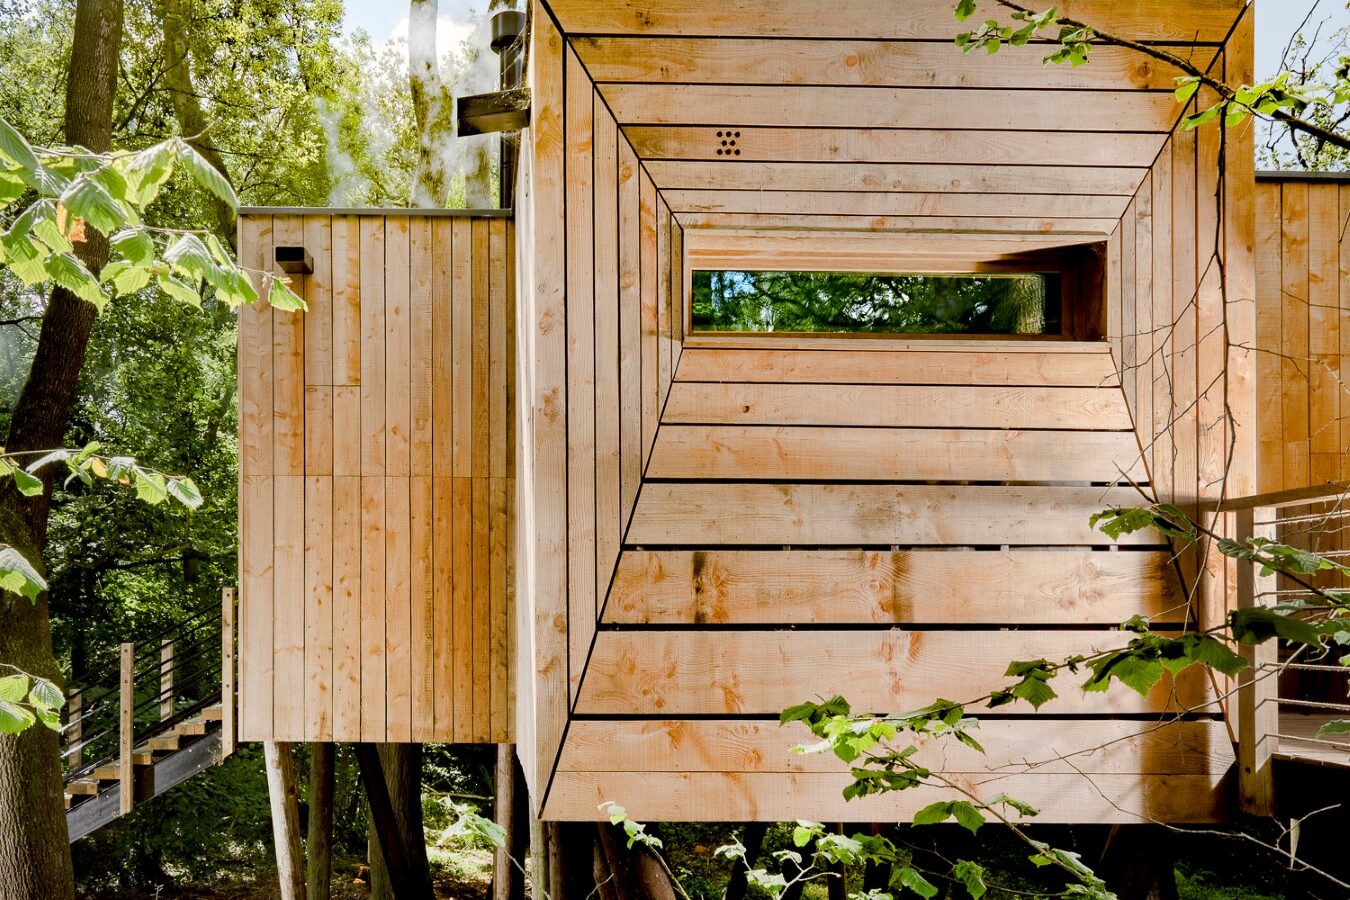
column 508, row 882
column 1258, row 707
column 165, row 680
column 403, row 876
column 284, row 796
column 319, row 847
column 75, row 729
column 126, row 732
column 228, row 730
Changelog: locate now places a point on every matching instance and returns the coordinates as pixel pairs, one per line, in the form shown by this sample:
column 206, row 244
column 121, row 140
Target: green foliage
column 840, row 302
column 25, row 699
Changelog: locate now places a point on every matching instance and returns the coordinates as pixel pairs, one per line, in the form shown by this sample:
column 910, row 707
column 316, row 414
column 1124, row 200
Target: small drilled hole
column 737, row 152
column 737, row 134
column 719, row 134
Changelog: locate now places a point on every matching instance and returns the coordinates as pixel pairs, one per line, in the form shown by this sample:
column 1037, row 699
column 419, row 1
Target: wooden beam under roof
column 867, row 63
column 751, row 175
column 899, row 224
column 1185, row 21
column 882, row 203
column 738, row 105
column 885, row 145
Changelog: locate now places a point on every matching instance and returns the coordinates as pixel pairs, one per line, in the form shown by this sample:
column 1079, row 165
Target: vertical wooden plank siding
column 367, row 545
column 1302, row 332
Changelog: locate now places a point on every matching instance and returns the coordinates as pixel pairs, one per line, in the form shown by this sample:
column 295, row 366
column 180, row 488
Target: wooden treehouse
column 501, row 483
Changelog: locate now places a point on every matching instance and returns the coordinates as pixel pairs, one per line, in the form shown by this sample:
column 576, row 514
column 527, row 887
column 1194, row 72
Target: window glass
column 835, row 302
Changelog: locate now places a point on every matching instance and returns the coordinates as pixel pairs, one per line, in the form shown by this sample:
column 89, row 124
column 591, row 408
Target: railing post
column 126, row 732
column 1258, row 707
column 227, row 707
column 75, row 728
column 165, row 680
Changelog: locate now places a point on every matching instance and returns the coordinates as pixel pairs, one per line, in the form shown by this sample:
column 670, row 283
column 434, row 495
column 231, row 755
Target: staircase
column 135, row 731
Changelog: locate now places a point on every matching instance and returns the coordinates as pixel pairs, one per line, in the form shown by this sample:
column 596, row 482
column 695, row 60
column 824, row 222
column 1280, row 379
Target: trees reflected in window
column 835, row 302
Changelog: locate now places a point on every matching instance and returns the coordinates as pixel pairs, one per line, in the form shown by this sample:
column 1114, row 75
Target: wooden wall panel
column 1302, row 326
column 374, row 558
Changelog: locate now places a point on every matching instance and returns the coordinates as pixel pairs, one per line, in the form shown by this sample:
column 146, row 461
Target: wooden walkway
column 1298, row 741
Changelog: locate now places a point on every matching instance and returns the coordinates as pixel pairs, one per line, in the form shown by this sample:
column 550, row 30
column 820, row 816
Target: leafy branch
column 25, row 699
column 71, row 191
column 1281, row 99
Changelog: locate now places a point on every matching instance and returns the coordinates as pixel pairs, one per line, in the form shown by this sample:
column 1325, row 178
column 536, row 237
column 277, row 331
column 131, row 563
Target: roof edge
column 372, row 211
column 1297, row 175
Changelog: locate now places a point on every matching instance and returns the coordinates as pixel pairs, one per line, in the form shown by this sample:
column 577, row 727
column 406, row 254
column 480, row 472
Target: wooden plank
column 288, row 636
column 229, row 705
column 581, row 400
column 679, row 286
column 1344, row 309
column 482, row 614
column 730, row 587
column 501, row 374
column 443, row 264
column 347, row 652
column 501, row 655
column 1158, row 443
column 1294, row 333
column 461, row 567
column 1184, row 234
column 255, row 353
column 482, row 432
column 669, row 674
column 897, row 406
column 422, row 254
column 664, row 328
column 695, row 514
column 922, row 108
column 397, row 637
column 288, row 362
column 1052, row 747
column 989, row 226
column 318, row 612
column 651, row 387
column 318, row 319
column 445, row 639
column 373, row 585
column 894, row 203
column 1207, row 21
column 346, row 299
column 126, row 728
column 1142, row 376
column 881, row 176
column 461, row 338
column 740, row 452
column 372, row 346
column 1324, row 339
column 630, row 328
column 397, row 349
column 857, row 363
column 608, row 397
column 718, row 60
column 772, row 797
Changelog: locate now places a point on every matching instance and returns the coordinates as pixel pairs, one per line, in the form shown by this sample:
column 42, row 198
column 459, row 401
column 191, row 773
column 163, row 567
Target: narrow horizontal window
column 836, row 302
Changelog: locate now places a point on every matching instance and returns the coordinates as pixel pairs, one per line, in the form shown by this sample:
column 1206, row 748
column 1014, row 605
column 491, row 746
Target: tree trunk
column 508, row 862
column 319, row 846
column 752, row 838
column 34, row 848
column 428, row 187
column 1139, row 863
column 187, row 108
column 402, row 764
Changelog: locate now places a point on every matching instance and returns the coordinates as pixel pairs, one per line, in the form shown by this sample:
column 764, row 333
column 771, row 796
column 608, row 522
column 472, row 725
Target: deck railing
column 1288, row 693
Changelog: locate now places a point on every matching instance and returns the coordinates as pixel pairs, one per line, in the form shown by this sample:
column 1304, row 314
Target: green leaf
column 1129, row 668
column 179, row 291
column 234, row 288
column 18, row 575
column 147, row 171
column 1192, row 122
column 135, row 244
column 46, row 695
column 971, row 875
column 1186, row 88
column 965, row 9
column 14, row 687
column 87, row 199
column 28, row 484
column 71, row 274
column 206, row 175
column 11, row 188
column 1335, row 726
column 280, row 296
column 125, row 276
column 184, row 491
column 1258, row 624
column 150, row 487
column 934, row 813
column 1217, row 655
column 14, row 718
column 189, row 257
column 967, row 816
column 910, row 878
column 15, row 148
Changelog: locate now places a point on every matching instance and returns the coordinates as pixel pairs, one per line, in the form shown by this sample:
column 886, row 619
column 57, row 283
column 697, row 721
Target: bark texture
column 34, row 848
column 402, row 764
column 434, row 120
column 319, row 845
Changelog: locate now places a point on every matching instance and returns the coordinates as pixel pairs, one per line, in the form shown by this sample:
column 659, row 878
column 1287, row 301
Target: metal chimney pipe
column 508, row 25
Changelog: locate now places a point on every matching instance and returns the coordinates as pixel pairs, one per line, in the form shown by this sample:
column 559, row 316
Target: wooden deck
column 1298, row 741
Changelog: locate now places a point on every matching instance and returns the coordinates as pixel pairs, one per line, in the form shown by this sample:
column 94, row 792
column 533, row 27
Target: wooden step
column 194, row 727
column 112, row 772
column 165, row 743
column 84, row 787
column 212, row 713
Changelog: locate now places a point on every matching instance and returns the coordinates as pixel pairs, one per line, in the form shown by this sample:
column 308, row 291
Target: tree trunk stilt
column 509, row 861
column 399, row 866
column 1139, row 863
column 319, row 847
column 283, row 793
column 752, row 838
